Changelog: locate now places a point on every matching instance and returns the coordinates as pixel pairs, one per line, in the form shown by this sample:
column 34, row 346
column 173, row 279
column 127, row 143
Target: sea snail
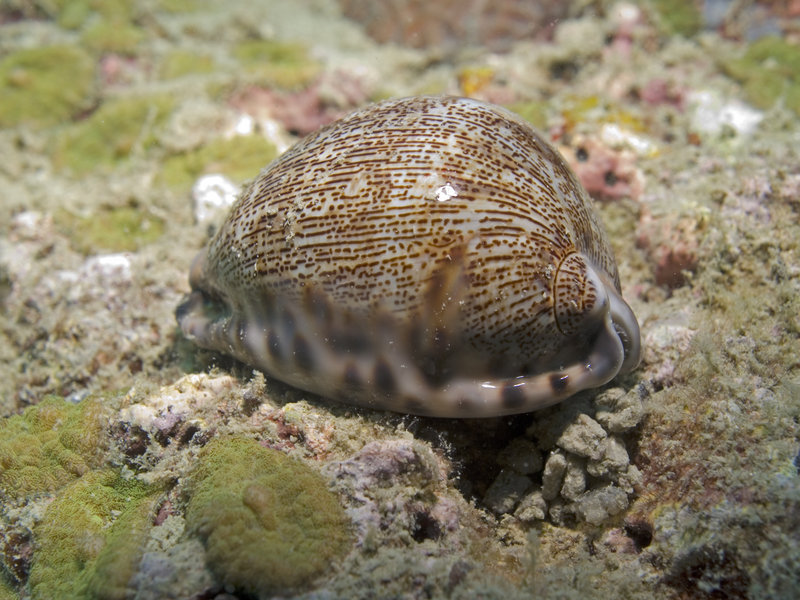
column 430, row 255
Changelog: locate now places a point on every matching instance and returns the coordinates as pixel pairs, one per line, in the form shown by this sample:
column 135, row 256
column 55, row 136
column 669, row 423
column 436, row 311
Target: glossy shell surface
column 429, row 255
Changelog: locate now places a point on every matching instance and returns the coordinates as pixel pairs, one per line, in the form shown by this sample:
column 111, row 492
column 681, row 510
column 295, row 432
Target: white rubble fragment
column 212, row 196
column 99, row 276
column 189, row 396
column 617, row 137
column 28, row 224
column 245, row 125
column 109, row 266
column 711, row 112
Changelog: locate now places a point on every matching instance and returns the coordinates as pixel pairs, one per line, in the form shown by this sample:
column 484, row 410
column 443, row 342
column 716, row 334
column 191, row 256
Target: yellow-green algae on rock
column 239, row 158
column 118, row 229
column 113, row 132
column 92, row 537
column 6, row 592
column 769, row 70
column 277, row 64
column 44, row 86
column 50, row 445
column 269, row 523
column 179, row 63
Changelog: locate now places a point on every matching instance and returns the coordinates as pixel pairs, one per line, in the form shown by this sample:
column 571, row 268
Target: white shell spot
column 446, row 192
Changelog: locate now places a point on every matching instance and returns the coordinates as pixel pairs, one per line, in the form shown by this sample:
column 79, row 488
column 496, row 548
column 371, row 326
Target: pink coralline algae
column 383, row 483
column 605, row 172
column 672, row 246
column 451, row 23
column 306, row 110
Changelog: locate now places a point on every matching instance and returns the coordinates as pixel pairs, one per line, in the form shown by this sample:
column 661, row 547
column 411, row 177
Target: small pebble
column 506, row 491
column 614, row 458
column 533, row 507
column 596, row 506
column 574, row 478
column 553, row 475
column 583, row 437
column 618, row 411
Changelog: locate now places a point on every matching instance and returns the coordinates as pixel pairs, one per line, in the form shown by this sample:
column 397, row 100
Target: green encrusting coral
column 678, row 16
column 50, row 445
column 532, row 111
column 239, row 158
column 106, row 36
column 120, row 229
column 113, row 132
column 45, row 86
column 179, row 63
column 7, row 592
column 269, row 523
column 92, row 537
column 277, row 64
column 769, row 70
column 72, row 14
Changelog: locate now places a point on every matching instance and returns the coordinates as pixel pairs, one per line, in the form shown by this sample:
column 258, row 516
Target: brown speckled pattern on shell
column 410, row 251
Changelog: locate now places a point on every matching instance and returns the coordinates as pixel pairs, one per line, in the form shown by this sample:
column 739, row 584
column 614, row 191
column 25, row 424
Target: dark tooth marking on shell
column 431, row 255
column 351, row 377
column 303, row 356
column 288, row 323
column 415, row 406
column 513, row 396
column 559, row 382
column 384, row 378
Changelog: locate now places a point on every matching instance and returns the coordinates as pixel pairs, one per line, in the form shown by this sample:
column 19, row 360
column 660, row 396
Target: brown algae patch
column 269, row 523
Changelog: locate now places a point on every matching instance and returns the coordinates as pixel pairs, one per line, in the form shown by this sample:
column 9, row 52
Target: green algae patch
column 91, row 538
column 7, row 592
column 533, row 112
column 112, row 134
column 678, row 16
column 182, row 6
column 107, row 36
column 277, row 64
column 119, row 229
column 72, row 14
column 269, row 523
column 45, row 86
column 769, row 71
column 180, row 63
column 240, row 158
column 50, row 445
